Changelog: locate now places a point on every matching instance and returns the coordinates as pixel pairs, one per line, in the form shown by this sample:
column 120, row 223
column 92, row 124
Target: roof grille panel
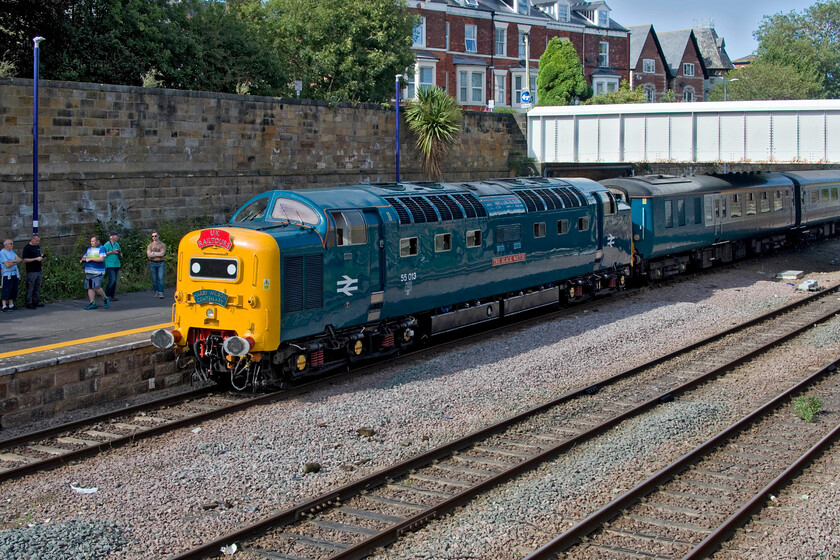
column 405, row 218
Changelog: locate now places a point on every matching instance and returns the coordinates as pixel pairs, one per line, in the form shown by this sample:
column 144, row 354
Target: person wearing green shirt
column 112, row 264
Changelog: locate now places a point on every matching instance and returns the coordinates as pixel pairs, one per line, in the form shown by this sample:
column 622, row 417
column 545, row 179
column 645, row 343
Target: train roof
column 814, row 177
column 644, row 186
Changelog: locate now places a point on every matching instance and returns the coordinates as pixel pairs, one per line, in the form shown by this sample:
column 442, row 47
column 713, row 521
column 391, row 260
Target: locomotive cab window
column 473, row 238
column 349, row 228
column 562, row 227
column 539, row 230
column 253, row 210
column 288, row 210
column 408, row 246
column 443, row 242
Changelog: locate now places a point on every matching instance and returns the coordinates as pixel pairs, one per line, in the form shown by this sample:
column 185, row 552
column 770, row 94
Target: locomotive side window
column 349, row 228
column 443, row 242
column 288, row 210
column 408, row 246
column 681, row 212
column 539, row 230
column 562, row 227
column 511, row 233
column 736, row 206
column 253, row 211
column 473, row 238
column 669, row 214
column 583, row 223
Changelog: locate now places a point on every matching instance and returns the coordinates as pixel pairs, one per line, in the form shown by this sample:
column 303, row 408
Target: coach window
column 736, row 206
column 778, row 201
column 669, row 214
column 583, row 223
column 681, row 212
column 765, row 202
column 473, row 238
column 815, row 196
column 443, row 242
column 750, row 204
column 539, row 229
column 698, row 210
column 562, row 227
column 349, row 228
column 834, row 193
column 825, row 195
column 408, row 246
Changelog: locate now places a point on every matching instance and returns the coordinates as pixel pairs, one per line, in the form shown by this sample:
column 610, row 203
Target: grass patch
column 806, row 407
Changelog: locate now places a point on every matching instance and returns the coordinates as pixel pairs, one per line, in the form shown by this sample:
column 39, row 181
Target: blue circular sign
column 526, row 97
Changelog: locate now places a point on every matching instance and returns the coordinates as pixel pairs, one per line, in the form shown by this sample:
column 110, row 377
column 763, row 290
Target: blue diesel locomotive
column 301, row 282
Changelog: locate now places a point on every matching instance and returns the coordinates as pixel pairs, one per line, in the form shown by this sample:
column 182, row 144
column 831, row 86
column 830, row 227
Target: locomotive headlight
column 210, row 312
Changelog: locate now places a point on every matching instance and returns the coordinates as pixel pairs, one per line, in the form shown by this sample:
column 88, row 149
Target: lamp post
column 724, row 86
column 35, row 53
column 399, row 76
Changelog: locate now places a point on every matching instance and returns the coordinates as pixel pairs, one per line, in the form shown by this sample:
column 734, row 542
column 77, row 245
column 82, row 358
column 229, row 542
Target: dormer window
column 522, row 7
column 562, row 11
column 603, row 18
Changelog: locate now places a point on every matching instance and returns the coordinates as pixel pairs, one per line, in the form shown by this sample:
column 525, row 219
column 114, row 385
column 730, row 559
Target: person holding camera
column 113, row 254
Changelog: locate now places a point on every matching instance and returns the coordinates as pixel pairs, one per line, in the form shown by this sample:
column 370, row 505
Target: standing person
column 9, row 275
column 113, row 252
column 156, row 251
column 32, row 258
column 94, row 259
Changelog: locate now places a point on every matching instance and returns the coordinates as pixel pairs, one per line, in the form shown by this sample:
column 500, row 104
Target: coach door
column 715, row 211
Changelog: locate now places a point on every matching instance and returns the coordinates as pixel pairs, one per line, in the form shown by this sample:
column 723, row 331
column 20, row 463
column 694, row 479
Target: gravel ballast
column 157, row 497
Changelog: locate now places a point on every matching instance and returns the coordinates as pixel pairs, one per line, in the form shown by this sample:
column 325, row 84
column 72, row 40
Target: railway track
column 356, row 519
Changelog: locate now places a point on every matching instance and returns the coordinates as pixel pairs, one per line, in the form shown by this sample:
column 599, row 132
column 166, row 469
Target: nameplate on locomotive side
column 211, row 296
column 507, row 259
column 214, row 237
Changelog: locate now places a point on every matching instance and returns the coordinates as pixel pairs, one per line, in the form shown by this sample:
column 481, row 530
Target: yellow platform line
column 82, row 340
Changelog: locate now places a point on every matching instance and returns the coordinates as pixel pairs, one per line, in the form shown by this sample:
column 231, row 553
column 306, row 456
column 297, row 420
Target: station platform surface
column 64, row 328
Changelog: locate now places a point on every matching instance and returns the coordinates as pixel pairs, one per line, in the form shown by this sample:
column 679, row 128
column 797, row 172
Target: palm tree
column 435, row 117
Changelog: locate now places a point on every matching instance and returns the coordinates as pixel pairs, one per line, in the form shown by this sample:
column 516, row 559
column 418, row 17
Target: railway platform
column 63, row 331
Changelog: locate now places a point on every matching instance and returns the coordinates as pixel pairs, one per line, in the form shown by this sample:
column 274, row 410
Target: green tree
column 768, row 80
column 624, row 95
column 560, row 79
column 435, row 118
column 343, row 50
column 808, row 42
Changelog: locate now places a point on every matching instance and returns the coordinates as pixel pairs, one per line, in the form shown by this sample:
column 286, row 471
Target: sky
column 734, row 20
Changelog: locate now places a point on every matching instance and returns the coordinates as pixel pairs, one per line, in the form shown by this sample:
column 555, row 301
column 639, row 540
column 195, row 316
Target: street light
column 724, row 85
column 399, row 76
column 35, row 53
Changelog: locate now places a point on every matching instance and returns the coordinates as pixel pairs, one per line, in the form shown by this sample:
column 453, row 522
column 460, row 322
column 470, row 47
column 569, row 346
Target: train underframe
column 334, row 350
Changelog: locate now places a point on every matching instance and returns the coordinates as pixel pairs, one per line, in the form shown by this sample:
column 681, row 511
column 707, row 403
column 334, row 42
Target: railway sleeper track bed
column 357, row 519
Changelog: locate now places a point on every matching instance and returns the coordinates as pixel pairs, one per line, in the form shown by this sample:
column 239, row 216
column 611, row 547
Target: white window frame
column 446, row 31
column 688, row 68
column 649, row 66
column 500, row 33
column 466, row 90
column 516, row 92
column 603, row 54
column 603, row 18
column 500, row 88
column 523, row 30
column 522, row 7
column 650, row 93
column 603, row 86
column 563, row 11
column 419, row 30
column 410, row 90
column 470, row 35
column 688, row 94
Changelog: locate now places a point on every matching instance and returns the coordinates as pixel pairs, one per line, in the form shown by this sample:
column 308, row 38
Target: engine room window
column 583, row 223
column 778, row 201
column 736, row 206
column 443, row 242
column 539, row 230
column 562, row 227
column 288, row 210
column 408, row 246
column 508, row 234
column 349, row 228
column 253, row 210
column 474, row 238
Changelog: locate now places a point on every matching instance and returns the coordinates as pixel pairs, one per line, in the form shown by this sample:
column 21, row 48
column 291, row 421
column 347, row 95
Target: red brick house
column 648, row 66
column 688, row 72
column 475, row 49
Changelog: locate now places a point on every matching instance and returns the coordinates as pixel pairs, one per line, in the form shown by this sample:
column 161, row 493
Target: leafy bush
column 807, row 407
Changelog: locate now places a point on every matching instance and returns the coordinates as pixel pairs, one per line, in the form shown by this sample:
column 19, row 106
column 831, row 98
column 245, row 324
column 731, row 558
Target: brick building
column 688, row 72
column 475, row 49
column 648, row 66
